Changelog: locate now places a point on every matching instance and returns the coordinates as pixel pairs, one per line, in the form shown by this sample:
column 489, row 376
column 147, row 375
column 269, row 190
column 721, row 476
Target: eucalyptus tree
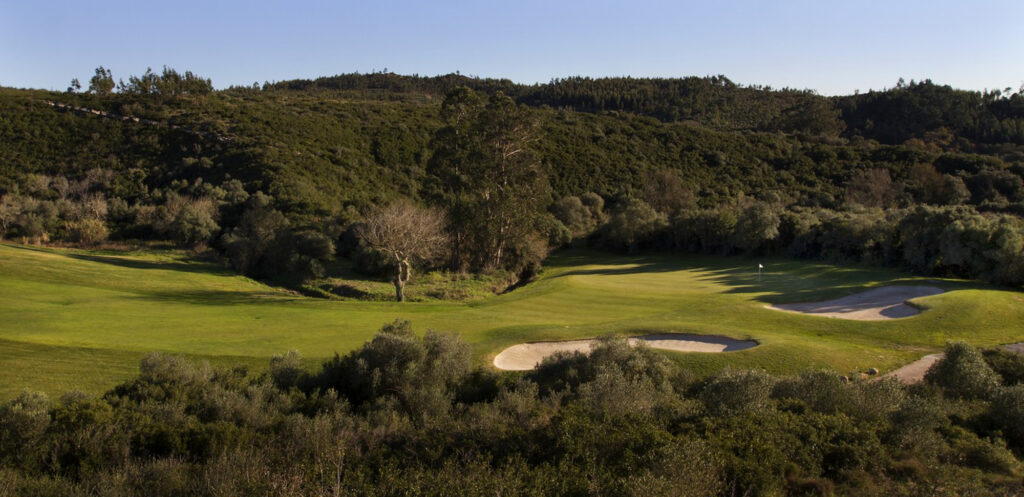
column 486, row 174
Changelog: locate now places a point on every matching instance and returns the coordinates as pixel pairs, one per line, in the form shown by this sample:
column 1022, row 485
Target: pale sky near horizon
column 829, row 46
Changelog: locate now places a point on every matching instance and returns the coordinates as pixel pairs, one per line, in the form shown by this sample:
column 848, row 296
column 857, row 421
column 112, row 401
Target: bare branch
column 408, row 233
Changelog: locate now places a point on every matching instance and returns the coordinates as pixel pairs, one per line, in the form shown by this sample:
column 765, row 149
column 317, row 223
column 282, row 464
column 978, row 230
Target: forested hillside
column 170, row 158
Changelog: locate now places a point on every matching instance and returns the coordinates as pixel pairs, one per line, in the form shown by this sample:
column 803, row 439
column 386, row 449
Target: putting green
column 83, row 319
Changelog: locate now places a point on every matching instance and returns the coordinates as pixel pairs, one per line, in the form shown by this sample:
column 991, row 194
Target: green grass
column 72, row 319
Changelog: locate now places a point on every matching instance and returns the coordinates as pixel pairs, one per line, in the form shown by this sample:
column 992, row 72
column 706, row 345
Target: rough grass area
column 82, row 319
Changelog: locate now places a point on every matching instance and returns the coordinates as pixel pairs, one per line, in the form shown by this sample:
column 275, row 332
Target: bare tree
column 407, row 233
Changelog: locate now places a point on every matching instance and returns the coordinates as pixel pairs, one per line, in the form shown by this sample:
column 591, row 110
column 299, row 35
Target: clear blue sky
column 834, row 47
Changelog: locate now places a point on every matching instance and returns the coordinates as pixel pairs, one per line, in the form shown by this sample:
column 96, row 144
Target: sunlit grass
column 80, row 319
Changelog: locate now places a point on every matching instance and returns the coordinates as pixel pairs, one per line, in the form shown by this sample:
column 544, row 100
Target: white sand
column 526, row 356
column 889, row 302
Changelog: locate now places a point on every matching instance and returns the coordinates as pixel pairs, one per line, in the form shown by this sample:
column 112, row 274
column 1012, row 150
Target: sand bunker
column 526, row 356
column 889, row 302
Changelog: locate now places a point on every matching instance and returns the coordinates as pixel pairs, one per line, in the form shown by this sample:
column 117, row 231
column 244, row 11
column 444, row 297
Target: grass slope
column 83, row 319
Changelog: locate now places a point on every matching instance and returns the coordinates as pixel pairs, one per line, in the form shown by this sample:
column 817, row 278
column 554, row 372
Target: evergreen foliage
column 407, row 415
column 729, row 168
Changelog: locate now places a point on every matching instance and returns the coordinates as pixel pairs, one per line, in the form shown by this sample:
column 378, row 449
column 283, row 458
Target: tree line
column 932, row 234
column 168, row 83
column 905, row 111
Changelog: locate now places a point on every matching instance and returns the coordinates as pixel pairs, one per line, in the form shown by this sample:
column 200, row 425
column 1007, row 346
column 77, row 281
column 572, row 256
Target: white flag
column 759, row 266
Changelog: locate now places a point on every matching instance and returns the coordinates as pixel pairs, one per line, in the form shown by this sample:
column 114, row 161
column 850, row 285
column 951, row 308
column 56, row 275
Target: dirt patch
column 877, row 304
column 914, row 372
column 526, row 356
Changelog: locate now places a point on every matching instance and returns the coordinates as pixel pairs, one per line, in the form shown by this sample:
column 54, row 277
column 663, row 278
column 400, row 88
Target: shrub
column 88, row 231
column 570, row 370
column 575, row 216
column 704, row 230
column 286, row 370
column 702, row 476
column 875, row 400
column 194, row 223
column 165, row 477
column 22, row 421
column 612, row 393
column 736, row 392
column 1008, row 365
column 989, row 455
column 963, row 373
column 1006, row 413
column 554, row 230
column 822, row 391
column 757, row 225
column 632, row 224
column 261, row 246
column 187, row 221
column 420, row 374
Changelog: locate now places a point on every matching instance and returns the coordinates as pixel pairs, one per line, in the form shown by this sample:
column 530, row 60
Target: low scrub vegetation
column 407, row 414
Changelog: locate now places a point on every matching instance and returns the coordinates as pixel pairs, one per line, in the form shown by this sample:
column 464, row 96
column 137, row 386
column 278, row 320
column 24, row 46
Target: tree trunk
column 401, row 278
column 455, row 259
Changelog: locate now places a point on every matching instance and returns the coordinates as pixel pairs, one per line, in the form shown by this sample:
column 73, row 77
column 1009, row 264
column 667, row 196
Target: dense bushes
column 419, row 376
column 263, row 245
column 407, row 415
column 955, row 241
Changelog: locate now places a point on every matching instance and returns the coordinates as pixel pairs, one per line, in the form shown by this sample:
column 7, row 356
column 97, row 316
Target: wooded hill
column 318, row 146
column 684, row 164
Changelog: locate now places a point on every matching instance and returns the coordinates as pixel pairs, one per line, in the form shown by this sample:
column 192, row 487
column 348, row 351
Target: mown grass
column 72, row 319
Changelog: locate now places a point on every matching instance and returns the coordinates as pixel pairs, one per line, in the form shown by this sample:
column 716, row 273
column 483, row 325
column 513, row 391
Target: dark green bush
column 737, row 392
column 1006, row 414
column 1007, row 364
column 406, row 415
column 962, row 372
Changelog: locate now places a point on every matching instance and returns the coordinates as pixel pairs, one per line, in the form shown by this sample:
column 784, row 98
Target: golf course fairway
column 81, row 320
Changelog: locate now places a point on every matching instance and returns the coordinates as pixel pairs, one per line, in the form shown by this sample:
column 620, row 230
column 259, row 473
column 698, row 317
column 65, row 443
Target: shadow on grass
column 191, row 267
column 213, row 297
column 197, row 266
column 622, row 265
column 781, row 281
column 793, row 281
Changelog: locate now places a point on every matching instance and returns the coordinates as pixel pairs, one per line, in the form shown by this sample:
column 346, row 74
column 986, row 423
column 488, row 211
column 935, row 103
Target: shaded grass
column 342, row 281
column 80, row 319
column 56, row 370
